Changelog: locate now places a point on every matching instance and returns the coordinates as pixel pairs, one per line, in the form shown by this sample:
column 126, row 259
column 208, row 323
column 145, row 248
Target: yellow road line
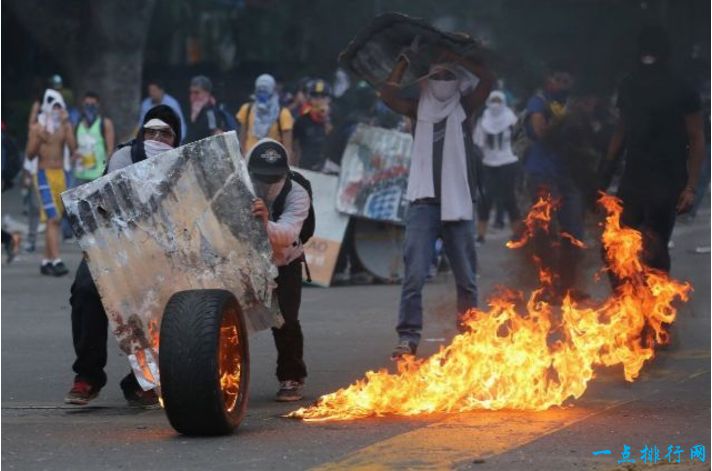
column 463, row 437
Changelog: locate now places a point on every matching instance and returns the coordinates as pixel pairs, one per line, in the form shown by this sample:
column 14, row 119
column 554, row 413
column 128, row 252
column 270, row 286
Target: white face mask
column 443, row 89
column 496, row 108
column 648, row 60
column 153, row 148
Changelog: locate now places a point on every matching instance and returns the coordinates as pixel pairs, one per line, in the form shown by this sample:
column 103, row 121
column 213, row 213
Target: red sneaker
column 81, row 393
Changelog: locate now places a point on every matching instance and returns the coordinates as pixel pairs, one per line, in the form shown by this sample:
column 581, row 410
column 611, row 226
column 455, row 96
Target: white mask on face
column 496, row 108
column 648, row 60
column 153, row 148
column 443, row 89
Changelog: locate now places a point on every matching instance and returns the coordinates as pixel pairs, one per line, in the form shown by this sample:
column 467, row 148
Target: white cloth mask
column 153, row 148
column 443, row 90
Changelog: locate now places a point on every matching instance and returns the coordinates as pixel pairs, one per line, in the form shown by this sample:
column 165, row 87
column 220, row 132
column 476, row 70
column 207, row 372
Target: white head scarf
column 440, row 100
column 46, row 118
column 266, row 112
column 497, row 117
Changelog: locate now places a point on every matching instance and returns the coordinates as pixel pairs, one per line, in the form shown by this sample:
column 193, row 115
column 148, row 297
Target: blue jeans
column 422, row 228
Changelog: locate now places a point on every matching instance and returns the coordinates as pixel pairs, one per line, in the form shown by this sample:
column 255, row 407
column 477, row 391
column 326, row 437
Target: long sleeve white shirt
column 284, row 232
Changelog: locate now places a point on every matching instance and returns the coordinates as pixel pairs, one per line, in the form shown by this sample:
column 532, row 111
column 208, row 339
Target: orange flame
column 532, row 361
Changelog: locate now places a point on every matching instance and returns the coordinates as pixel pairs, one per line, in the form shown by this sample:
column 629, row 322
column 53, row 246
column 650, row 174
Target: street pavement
column 350, row 330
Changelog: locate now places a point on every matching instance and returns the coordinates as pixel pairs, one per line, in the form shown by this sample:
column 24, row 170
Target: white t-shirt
column 496, row 148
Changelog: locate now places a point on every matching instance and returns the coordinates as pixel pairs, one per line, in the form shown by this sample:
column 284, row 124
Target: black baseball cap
column 267, row 158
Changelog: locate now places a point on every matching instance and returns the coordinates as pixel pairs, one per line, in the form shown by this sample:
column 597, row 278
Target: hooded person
column 442, row 183
column 493, row 135
column 283, row 205
column 160, row 132
column 264, row 117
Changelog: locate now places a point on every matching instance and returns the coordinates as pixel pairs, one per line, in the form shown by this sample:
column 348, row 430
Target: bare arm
column 477, row 97
column 109, row 136
column 389, row 91
column 34, row 111
column 615, row 146
column 69, row 138
column 33, row 143
column 696, row 138
column 607, row 166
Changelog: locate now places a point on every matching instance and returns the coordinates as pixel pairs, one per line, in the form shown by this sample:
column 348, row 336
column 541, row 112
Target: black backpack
column 278, row 206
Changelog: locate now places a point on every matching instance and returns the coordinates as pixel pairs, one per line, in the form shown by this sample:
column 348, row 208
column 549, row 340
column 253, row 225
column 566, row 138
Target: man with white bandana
column 493, row 135
column 160, row 131
column 264, row 117
column 442, row 182
column 46, row 142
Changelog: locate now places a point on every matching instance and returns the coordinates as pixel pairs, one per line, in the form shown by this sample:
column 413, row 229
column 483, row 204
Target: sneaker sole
column 138, row 405
column 78, row 401
column 289, row 399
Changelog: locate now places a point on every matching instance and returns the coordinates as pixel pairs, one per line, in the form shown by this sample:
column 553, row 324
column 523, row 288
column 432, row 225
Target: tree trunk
column 100, row 44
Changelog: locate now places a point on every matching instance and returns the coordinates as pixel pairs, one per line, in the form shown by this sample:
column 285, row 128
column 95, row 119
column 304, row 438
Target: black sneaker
column 143, row 399
column 59, row 269
column 46, row 269
column 81, row 393
column 289, row 391
column 403, row 348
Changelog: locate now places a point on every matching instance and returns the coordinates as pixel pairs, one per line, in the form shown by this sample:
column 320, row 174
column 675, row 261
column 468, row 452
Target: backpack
column 278, row 206
column 228, row 120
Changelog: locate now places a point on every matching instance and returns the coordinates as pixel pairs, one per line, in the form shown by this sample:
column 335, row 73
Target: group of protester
column 470, row 151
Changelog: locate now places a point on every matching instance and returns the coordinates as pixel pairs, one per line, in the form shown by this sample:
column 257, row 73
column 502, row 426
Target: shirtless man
column 46, row 141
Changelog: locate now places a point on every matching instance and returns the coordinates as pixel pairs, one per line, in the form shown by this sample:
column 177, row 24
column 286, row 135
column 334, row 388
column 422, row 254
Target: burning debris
column 507, row 359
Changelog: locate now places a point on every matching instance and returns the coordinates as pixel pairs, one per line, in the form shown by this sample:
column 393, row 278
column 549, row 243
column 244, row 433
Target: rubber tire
column 188, row 363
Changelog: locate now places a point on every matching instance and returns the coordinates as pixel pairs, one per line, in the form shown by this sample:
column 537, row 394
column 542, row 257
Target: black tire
column 192, row 362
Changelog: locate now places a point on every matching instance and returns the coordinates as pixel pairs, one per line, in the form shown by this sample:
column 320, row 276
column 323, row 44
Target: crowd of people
column 472, row 154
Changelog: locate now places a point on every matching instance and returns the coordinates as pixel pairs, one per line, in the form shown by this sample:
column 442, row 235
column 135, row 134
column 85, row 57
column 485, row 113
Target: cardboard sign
column 374, row 174
column 323, row 248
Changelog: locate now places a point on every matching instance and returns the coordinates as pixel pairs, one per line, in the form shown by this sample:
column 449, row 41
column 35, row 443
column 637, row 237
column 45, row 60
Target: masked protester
column 661, row 130
column 312, row 127
column 46, row 142
column 283, row 206
column 493, row 135
column 547, row 172
column 205, row 120
column 265, row 117
column 95, row 141
column 441, row 184
column 160, row 132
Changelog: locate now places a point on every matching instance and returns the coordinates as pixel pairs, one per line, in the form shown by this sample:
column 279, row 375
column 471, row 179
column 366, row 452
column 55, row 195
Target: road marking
column 466, row 436
column 474, row 435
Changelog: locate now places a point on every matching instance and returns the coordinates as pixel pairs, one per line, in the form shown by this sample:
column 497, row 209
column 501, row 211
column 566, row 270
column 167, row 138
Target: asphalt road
column 349, row 330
